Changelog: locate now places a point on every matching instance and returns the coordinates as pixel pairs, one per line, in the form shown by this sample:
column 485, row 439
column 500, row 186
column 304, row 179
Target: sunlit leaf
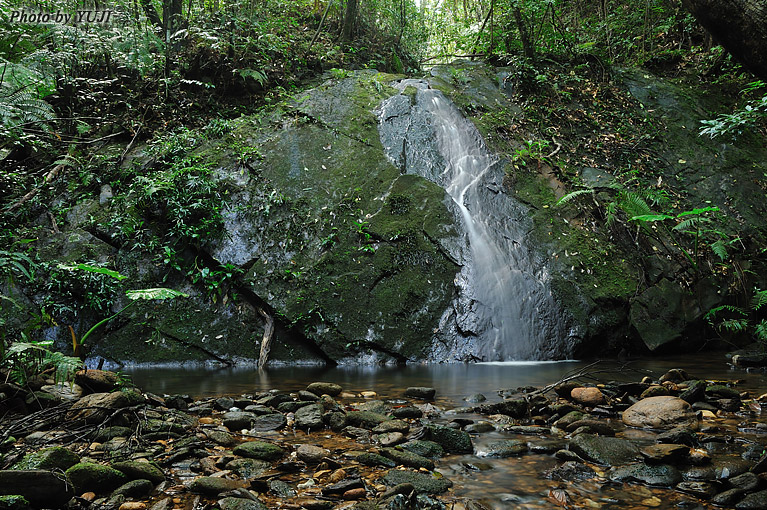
column 158, row 293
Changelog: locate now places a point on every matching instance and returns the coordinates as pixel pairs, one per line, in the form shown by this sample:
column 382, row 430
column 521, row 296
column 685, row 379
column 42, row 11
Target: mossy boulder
column 88, row 476
column 56, row 458
column 136, row 470
column 259, row 450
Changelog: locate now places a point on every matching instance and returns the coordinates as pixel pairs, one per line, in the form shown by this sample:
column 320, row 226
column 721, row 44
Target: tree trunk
column 738, row 25
column 524, row 35
column 266, row 342
column 151, row 13
column 349, row 18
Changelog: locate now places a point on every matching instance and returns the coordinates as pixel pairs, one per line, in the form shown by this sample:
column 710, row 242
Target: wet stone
column 94, row 477
column 392, row 426
column 479, row 427
column 373, row 459
column 568, row 419
column 696, row 390
column 407, row 458
column 407, row 412
column 571, row 471
column 267, row 422
column 422, row 483
column 135, row 489
column 503, row 448
column 451, row 440
column 337, row 489
column 365, row 419
column 755, row 501
column 594, row 426
column 281, row 489
column 136, row 470
column 530, row 430
column 311, row 454
column 223, row 403
column 221, row 437
column 728, row 497
column 587, row 396
column 475, row 398
column 291, row 407
column 678, row 436
column 231, row 503
column 308, row 396
column 259, row 409
column 746, row 481
column 546, row 447
column 213, row 485
column 603, row 450
column 658, row 475
column 663, row 453
column 704, row 490
column 324, row 388
column 248, row 468
column 309, row 417
column 422, row 392
column 424, row 448
column 238, row 420
column 390, row 438
column 259, row 450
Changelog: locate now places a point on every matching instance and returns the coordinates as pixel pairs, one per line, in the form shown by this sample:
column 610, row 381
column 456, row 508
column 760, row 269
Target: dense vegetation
column 75, row 98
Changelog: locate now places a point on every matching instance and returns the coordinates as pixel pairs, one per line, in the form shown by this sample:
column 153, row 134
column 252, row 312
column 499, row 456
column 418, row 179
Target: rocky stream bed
column 674, row 442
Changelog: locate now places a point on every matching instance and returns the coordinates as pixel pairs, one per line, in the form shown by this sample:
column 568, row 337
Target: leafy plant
column 736, row 319
column 25, row 359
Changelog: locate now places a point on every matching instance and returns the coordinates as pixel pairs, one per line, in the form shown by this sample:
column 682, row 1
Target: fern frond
column 574, row 194
column 735, row 325
column 720, row 250
column 691, row 224
column 633, row 204
column 760, row 331
column 711, row 314
column 759, row 299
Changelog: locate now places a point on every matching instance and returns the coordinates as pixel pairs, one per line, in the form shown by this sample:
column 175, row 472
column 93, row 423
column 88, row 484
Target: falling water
column 504, row 309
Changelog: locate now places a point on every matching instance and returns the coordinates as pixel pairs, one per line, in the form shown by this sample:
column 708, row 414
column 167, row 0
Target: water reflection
column 452, row 381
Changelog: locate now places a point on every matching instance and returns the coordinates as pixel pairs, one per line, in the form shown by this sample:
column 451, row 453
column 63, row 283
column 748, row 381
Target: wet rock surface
column 147, row 455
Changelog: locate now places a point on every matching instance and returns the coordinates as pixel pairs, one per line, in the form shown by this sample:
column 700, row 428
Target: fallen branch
column 50, row 176
column 266, row 341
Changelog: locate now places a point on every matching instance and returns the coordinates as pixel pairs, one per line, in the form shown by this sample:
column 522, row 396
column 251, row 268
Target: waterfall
column 504, row 309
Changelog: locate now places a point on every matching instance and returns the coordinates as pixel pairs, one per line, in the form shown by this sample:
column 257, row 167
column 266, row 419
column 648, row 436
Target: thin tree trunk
column 151, row 13
column 524, row 36
column 266, row 341
column 349, row 19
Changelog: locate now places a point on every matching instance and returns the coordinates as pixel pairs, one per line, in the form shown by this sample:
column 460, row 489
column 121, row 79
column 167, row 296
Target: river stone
column 238, row 420
column 696, row 391
column 223, row 403
column 64, row 391
column 422, row 483
column 324, row 388
column 660, row 413
column 659, row 475
column 479, row 427
column 231, row 503
column 87, row 476
column 309, row 417
column 747, row 481
column 373, row 459
column 679, row 435
column 137, row 489
column 719, row 469
column 392, row 426
column 43, row 489
column 407, row 458
column 665, row 453
column 516, row 408
column 311, row 454
column 475, row 398
column 137, row 470
column 587, row 396
column 504, row 448
column 424, row 448
column 566, row 420
column 451, row 440
column 56, row 458
column 375, row 406
column 259, row 450
column 390, row 438
column 294, row 405
column 571, row 471
column 338, row 488
column 266, row 422
column 97, row 381
column 365, row 419
column 407, row 412
column 593, row 426
column 177, row 402
column 281, row 489
column 728, row 497
column 603, row 450
column 259, row 409
column 97, row 407
column 722, row 391
column 221, row 437
column 248, row 468
column 214, row 485
column 703, row 490
column 655, row 390
column 108, row 433
column 755, row 501
column 421, row 392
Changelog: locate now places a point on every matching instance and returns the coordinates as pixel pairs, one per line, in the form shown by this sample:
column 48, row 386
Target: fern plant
column 24, row 360
column 736, row 319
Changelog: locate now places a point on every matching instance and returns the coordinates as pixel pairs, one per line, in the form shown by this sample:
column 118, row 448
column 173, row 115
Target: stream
column 517, row 482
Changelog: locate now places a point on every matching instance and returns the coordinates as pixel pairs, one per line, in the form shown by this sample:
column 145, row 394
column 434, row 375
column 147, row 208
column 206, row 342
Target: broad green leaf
column 94, row 269
column 700, row 210
column 651, row 217
column 158, row 293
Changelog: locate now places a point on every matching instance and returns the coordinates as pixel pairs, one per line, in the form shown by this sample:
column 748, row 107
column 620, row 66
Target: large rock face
column 664, row 412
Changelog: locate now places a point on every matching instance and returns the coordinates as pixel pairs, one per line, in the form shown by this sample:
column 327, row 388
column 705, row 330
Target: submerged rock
column 603, row 450
column 43, row 489
column 421, row 482
column 660, row 475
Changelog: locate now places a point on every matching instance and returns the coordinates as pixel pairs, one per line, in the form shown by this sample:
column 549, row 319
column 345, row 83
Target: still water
column 517, row 482
column 452, row 381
